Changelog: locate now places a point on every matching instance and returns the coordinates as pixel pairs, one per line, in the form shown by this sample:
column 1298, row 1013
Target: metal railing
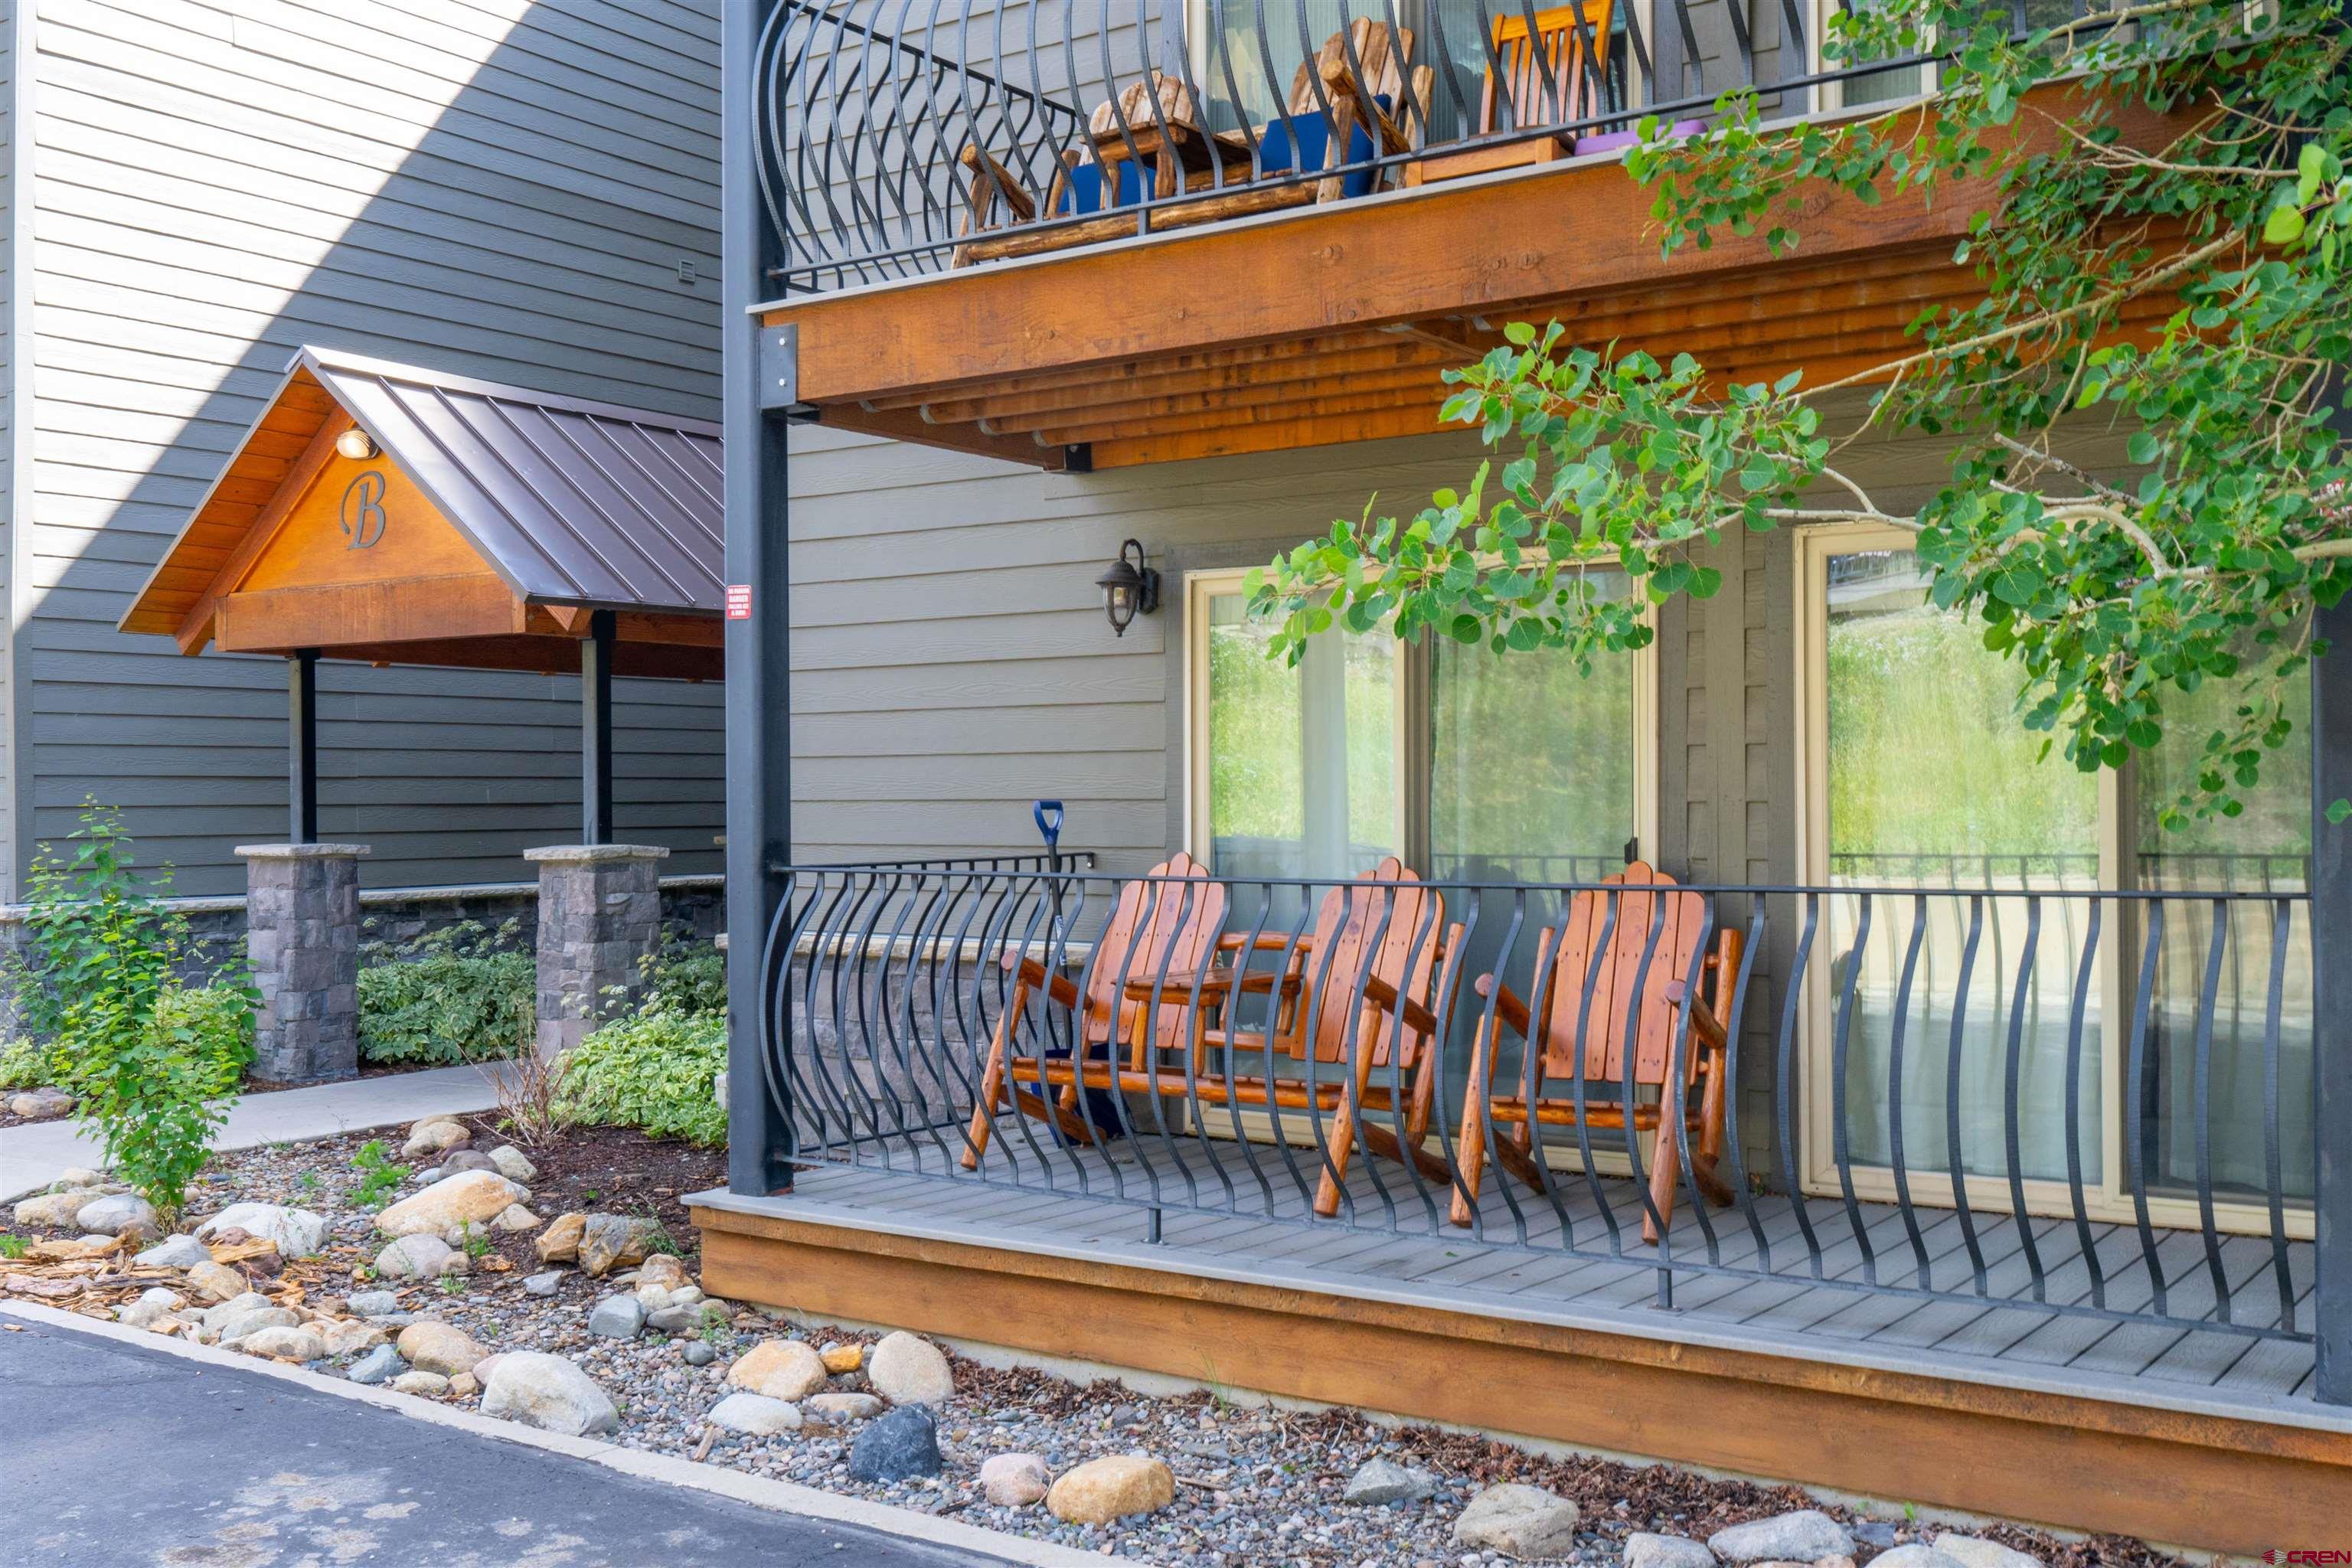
column 889, row 133
column 1986, row 1095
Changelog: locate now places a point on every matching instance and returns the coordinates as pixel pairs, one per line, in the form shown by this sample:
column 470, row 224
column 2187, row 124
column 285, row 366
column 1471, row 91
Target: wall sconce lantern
column 1129, row 588
column 357, row 445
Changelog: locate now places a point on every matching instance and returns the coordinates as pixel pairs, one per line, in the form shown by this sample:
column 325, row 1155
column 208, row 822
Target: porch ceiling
column 1334, row 323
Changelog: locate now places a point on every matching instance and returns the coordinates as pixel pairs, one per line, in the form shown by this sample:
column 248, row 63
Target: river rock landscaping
column 555, row 1286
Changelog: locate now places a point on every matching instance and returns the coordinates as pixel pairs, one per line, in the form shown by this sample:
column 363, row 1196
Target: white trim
column 17, row 605
column 776, row 1497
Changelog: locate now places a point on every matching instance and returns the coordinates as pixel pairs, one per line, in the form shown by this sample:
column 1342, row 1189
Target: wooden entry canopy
column 482, row 526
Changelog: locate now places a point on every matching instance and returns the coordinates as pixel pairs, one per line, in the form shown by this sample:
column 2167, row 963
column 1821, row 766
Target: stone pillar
column 599, row 916
column 302, row 937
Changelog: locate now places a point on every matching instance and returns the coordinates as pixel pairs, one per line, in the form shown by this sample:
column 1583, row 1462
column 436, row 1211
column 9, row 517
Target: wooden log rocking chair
column 1616, row 1023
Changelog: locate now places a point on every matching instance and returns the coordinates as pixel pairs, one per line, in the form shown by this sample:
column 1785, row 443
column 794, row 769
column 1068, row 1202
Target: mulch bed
column 608, row 1169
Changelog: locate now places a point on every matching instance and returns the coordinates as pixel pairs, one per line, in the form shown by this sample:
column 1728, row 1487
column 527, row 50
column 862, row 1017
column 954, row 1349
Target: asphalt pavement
column 114, row 1455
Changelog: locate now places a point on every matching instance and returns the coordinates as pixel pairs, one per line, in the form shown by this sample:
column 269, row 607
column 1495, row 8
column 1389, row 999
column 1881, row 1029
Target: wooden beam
column 195, row 627
column 1477, row 247
column 541, row 655
column 478, row 603
column 906, row 426
column 1142, row 369
column 1058, row 424
column 1319, row 400
column 1020, row 409
column 1418, row 418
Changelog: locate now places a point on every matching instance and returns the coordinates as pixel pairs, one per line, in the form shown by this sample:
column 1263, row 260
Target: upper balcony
column 1108, row 232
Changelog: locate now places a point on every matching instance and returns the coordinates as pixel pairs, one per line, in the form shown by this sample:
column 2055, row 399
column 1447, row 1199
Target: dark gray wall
column 503, row 188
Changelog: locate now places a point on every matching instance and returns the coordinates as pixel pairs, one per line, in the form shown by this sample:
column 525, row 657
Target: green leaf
column 2337, row 810
column 2284, row 226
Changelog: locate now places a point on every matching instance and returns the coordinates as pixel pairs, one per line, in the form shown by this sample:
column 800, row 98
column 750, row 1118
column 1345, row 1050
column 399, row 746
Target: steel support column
column 759, row 698
column 596, row 730
column 302, row 746
column 2331, row 1036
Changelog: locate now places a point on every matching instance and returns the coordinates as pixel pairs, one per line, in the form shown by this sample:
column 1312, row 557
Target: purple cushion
column 1610, row 142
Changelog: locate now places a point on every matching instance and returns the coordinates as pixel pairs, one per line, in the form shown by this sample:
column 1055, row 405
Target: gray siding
column 503, row 188
column 11, row 706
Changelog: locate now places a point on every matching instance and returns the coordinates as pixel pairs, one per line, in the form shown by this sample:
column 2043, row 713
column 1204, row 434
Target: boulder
column 667, row 1272
column 283, row 1343
column 414, row 1258
column 435, row 1135
column 175, row 1252
column 469, row 1197
column 843, row 1358
column 1972, row 1552
column 297, row 1233
column 1644, row 1550
column 425, row 1384
column 381, row 1364
column 114, row 1214
column 230, row 1306
column 616, row 1317
column 1806, row 1535
column 697, row 1353
column 513, row 1165
column 348, row 1336
column 560, row 1242
column 437, row 1347
column 240, row 1325
column 907, row 1369
column 77, row 1176
column 840, row 1409
column 466, row 1159
column 374, row 1303
column 755, row 1414
column 514, row 1217
column 899, row 1447
column 1385, row 1480
column 465, row 1386
column 215, row 1281
column 549, row 1393
column 54, row 1209
column 543, row 1284
column 675, row 1319
column 1013, row 1480
column 151, row 1305
column 610, row 1241
column 1110, row 1487
column 780, row 1369
column 40, row 1104
column 1918, row 1555
column 1519, row 1521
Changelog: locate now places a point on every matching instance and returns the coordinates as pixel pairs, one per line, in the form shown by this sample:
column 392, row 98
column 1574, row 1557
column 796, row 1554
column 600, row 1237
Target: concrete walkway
column 34, row 1154
column 123, row 1455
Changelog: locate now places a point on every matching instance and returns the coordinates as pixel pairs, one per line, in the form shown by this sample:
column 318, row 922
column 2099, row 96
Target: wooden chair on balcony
column 1618, row 1025
column 1548, row 76
column 1337, row 997
column 1382, row 101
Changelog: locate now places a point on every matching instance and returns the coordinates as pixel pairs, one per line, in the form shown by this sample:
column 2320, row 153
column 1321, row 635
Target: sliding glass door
column 1931, row 1013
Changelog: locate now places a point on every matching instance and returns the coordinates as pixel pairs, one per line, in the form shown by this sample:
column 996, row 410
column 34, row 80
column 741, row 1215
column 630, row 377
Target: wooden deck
column 2063, row 1418
column 1521, row 1271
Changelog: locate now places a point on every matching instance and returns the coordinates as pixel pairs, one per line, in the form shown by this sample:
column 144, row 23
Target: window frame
column 2105, row 1202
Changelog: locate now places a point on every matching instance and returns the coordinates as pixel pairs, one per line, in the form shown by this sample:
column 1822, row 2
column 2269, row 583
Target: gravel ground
column 1258, row 1486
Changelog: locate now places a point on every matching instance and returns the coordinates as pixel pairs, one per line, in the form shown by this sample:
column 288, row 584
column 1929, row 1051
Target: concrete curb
column 776, row 1497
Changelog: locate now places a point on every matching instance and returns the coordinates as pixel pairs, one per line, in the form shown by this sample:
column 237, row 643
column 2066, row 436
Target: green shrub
column 24, row 1065
column 153, row 1066
column 462, row 993
column 653, row 1070
column 216, row 1023
column 688, row 977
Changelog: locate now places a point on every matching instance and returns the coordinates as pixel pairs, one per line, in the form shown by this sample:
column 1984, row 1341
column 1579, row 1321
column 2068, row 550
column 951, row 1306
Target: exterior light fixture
column 357, row 445
column 1129, row 588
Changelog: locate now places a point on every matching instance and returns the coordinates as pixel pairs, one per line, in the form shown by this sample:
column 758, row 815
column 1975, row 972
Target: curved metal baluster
column 1233, row 1011
column 2274, row 1184
column 1604, row 946
column 1732, row 1053
column 1841, row 1143
column 1955, row 1161
column 1490, row 1030
column 2201, row 1092
column 1897, row 1028
column 2075, row 1017
column 2012, row 1086
column 1678, row 1077
column 1632, row 1054
column 1353, row 1043
column 1785, row 1050
column 2136, row 1089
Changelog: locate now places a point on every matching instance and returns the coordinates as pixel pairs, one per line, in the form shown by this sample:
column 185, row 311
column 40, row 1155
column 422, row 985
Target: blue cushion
column 1314, row 137
column 1083, row 191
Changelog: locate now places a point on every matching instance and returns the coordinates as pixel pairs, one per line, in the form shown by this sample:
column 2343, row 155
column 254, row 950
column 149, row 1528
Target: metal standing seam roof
column 570, row 502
